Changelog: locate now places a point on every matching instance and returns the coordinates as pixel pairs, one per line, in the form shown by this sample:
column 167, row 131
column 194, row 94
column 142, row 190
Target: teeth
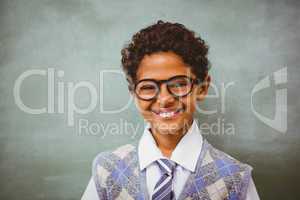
column 166, row 114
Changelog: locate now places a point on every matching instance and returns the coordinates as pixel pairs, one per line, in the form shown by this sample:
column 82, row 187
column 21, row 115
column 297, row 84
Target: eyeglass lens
column 149, row 89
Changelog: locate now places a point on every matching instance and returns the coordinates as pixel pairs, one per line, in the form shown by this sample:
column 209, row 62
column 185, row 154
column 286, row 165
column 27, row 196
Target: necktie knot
column 166, row 166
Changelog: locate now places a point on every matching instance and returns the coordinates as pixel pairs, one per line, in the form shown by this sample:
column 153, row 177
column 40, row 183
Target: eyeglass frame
column 160, row 82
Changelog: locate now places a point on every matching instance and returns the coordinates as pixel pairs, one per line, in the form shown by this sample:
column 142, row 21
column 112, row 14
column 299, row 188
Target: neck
column 167, row 142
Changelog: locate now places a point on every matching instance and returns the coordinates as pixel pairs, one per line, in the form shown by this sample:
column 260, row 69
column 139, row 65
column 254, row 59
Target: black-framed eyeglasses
column 178, row 86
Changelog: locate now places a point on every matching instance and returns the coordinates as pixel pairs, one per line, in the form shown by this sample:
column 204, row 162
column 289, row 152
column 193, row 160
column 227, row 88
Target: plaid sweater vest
column 217, row 176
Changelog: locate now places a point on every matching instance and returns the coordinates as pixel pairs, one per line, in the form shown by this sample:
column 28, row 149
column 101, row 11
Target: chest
column 140, row 186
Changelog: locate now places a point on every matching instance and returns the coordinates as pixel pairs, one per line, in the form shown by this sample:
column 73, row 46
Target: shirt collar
column 190, row 143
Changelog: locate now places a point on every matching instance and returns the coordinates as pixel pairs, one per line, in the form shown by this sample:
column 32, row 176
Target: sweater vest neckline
column 214, row 169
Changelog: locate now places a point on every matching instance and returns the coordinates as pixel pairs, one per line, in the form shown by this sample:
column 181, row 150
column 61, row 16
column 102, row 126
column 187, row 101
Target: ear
column 130, row 89
column 202, row 88
column 130, row 85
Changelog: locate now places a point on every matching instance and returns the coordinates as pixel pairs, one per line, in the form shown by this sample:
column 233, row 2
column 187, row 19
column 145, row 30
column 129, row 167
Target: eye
column 147, row 87
column 179, row 83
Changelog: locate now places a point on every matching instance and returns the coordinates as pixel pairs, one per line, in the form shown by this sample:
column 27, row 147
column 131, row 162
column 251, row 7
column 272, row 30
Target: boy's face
column 168, row 114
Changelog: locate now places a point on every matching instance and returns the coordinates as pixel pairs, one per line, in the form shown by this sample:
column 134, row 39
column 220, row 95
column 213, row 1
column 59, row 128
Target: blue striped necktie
column 163, row 188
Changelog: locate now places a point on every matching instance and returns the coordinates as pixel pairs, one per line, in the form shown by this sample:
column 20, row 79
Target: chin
column 167, row 127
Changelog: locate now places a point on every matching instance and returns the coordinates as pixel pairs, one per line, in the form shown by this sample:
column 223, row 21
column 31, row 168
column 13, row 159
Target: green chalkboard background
column 49, row 156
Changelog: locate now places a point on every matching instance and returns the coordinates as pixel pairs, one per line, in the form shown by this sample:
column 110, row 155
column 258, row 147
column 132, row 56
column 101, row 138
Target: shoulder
column 235, row 174
column 107, row 159
column 116, row 173
column 111, row 155
column 107, row 162
column 222, row 159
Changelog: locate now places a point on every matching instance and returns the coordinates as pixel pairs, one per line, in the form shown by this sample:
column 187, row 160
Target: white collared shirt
column 148, row 153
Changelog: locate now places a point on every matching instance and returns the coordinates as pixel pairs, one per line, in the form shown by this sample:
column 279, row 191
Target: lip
column 168, row 113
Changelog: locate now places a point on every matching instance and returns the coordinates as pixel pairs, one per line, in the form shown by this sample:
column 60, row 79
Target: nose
column 164, row 97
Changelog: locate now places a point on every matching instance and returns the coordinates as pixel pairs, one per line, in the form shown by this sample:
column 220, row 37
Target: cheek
column 190, row 103
column 142, row 106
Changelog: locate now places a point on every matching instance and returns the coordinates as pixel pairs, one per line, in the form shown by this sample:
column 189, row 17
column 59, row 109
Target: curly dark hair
column 165, row 36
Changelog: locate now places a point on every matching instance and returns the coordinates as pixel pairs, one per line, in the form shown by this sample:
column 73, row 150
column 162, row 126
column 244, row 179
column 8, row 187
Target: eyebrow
column 148, row 78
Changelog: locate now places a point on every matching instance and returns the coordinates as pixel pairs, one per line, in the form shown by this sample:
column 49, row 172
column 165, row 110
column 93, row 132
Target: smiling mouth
column 168, row 114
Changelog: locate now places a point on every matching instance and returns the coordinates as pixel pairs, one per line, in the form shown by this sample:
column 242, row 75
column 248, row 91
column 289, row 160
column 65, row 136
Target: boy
column 167, row 69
